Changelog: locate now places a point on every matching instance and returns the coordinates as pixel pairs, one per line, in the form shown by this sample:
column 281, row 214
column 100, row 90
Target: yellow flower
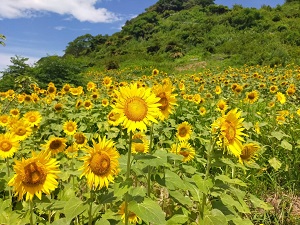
column 202, row 111
column 107, row 81
column 140, row 143
column 15, row 113
column 70, row 127
column 35, row 175
column 72, row 151
column 137, row 107
column 132, row 217
column 21, row 129
column 8, row 145
column 105, row 102
column 76, row 91
column 222, row 106
column 249, row 152
column 33, row 118
column 113, row 117
column 184, row 131
column 281, row 97
column 218, row 90
column 91, row 86
column 55, row 145
column 251, row 97
column 80, row 139
column 230, row 130
column 101, row 164
column 58, row 107
column 155, row 72
column 88, row 104
column 4, row 120
column 185, row 149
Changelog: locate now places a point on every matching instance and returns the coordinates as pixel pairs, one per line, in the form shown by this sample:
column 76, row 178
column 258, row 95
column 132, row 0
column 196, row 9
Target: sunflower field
column 214, row 147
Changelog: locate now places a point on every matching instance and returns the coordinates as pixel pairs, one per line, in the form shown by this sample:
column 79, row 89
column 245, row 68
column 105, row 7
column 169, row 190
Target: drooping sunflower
column 33, row 118
column 132, row 217
column 167, row 99
column 140, row 143
column 80, row 139
column 70, row 127
column 101, row 164
column 249, row 152
column 58, row 107
column 55, row 145
column 35, row 175
column 137, row 107
column 185, row 149
column 184, row 131
column 72, row 151
column 251, row 97
column 21, row 129
column 230, row 130
column 8, row 145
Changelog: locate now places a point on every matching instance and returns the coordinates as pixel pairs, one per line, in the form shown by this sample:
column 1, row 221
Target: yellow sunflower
column 14, row 112
column 33, row 118
column 113, row 117
column 4, row 120
column 222, row 106
column 132, row 217
column 105, row 102
column 230, row 130
column 140, row 143
column 55, row 145
column 167, row 99
column 251, row 97
column 137, row 107
column 218, row 90
column 107, row 81
column 21, row 129
column 184, row 131
column 101, row 164
column 91, row 86
column 281, row 97
column 8, row 145
column 185, row 149
column 70, row 127
column 80, row 139
column 58, row 107
column 273, row 89
column 202, row 111
column 88, row 104
column 249, row 152
column 72, row 151
column 35, row 175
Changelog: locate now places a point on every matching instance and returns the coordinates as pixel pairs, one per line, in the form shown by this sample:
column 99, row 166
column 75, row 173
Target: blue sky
column 35, row 29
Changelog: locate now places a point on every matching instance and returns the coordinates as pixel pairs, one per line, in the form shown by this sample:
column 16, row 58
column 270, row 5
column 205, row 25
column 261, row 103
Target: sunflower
column 88, row 104
column 33, row 118
column 202, row 111
column 249, row 152
column 35, row 175
column 27, row 99
column 101, row 164
column 79, row 103
column 58, row 107
column 132, row 217
column 184, row 131
column 80, row 139
column 4, row 120
column 91, row 86
column 55, row 145
column 137, row 107
column 155, row 72
column 218, row 90
column 140, row 143
column 273, row 89
column 167, row 99
column 281, row 97
column 8, row 145
column 185, row 149
column 21, row 129
column 66, row 88
column 95, row 95
column 70, row 127
column 105, row 102
column 222, row 106
column 251, row 97
column 72, row 151
column 76, row 91
column 15, row 113
column 113, row 117
column 107, row 81
column 230, row 130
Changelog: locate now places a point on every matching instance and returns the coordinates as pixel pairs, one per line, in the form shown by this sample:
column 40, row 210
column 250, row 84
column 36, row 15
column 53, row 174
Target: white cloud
column 59, row 28
column 82, row 10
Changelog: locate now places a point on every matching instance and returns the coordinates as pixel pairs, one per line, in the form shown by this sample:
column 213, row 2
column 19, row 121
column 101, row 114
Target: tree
column 82, row 45
column 2, row 37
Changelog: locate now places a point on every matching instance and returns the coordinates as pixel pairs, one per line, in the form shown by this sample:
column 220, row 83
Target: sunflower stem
column 208, row 165
column 31, row 212
column 149, row 167
column 91, row 208
column 127, row 177
column 8, row 176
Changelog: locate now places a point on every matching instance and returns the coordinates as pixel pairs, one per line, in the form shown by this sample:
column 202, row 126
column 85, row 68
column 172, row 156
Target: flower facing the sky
column 137, row 107
column 35, row 176
column 101, row 164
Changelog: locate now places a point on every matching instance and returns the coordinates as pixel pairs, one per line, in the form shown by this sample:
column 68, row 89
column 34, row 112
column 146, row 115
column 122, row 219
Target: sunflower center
column 32, row 118
column 100, row 164
column 55, row 144
column 21, row 131
column 6, row 146
column 251, row 96
column 135, row 109
column 184, row 153
column 79, row 139
column 139, row 147
column 87, row 104
column 230, row 134
column 34, row 175
column 51, row 89
column 70, row 127
column 221, row 106
column 182, row 132
column 163, row 101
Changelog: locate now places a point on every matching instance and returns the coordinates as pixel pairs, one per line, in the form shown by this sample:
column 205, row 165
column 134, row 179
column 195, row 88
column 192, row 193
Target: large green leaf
column 73, row 208
column 179, row 197
column 259, row 203
column 215, row 217
column 275, row 163
column 177, row 219
column 173, row 181
column 149, row 211
column 226, row 179
column 286, row 145
column 229, row 200
column 203, row 185
column 278, row 135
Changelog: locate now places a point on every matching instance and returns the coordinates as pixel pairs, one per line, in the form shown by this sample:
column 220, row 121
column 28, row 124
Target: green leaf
column 177, row 219
column 73, row 208
column 240, row 221
column 215, row 217
column 197, row 195
column 203, row 185
column 149, row 211
column 275, row 163
column 278, row 135
column 226, row 179
column 102, row 222
column 259, row 203
column 173, row 181
column 185, row 200
column 228, row 200
column 286, row 145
